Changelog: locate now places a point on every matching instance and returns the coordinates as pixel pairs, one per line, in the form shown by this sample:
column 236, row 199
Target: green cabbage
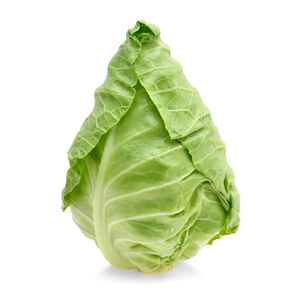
column 148, row 178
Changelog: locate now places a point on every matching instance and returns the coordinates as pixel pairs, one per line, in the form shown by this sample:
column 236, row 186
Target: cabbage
column 148, row 178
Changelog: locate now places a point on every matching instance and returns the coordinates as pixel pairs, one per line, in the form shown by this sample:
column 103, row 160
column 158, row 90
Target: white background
column 243, row 56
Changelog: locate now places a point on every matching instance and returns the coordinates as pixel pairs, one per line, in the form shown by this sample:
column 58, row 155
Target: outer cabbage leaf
column 148, row 178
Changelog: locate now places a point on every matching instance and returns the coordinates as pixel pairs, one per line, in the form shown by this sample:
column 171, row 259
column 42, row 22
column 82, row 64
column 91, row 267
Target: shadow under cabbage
column 183, row 271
